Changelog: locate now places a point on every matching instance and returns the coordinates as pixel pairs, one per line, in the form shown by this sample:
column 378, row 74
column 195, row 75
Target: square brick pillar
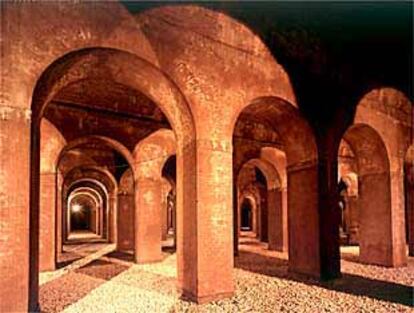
column 264, row 215
column 353, row 222
column 205, row 222
column 47, row 226
column 164, row 215
column 113, row 218
column 399, row 242
column 382, row 235
column 14, row 209
column 409, row 200
column 375, row 218
column 148, row 220
column 236, row 219
column 126, row 208
column 59, row 212
column 278, row 229
column 304, row 221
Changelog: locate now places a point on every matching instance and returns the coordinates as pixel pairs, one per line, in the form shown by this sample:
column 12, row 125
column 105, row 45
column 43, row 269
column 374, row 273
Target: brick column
column 410, row 220
column 164, row 217
column 14, row 209
column 264, row 218
column 375, row 231
column 409, row 202
column 304, row 220
column 59, row 208
column 47, row 226
column 236, row 219
column 353, row 214
column 258, row 210
column 207, row 224
column 113, row 218
column 102, row 213
column 277, row 205
column 164, row 208
column 148, row 220
column 126, row 208
column 399, row 243
column 382, row 237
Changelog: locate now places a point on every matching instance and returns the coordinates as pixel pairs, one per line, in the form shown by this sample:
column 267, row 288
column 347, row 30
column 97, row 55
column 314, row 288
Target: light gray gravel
column 263, row 284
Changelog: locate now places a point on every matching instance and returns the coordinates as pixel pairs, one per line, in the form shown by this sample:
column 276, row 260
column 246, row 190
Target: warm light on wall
column 76, row 208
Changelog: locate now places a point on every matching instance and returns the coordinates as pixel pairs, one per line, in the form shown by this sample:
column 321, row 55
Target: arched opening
column 364, row 171
column 81, row 103
column 99, row 211
column 101, row 163
column 348, row 194
column 169, row 196
column 246, row 215
column 273, row 130
column 82, row 215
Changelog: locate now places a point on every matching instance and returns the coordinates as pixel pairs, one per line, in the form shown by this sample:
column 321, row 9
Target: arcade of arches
column 176, row 131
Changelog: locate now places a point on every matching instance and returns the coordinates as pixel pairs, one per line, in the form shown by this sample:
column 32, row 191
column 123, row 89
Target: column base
column 189, row 296
column 146, row 260
column 276, row 247
column 317, row 276
column 48, row 268
column 384, row 256
column 383, row 263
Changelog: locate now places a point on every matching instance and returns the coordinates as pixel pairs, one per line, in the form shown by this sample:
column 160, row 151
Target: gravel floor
column 263, row 284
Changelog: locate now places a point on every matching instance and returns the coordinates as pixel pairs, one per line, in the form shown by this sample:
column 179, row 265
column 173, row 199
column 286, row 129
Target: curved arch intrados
column 124, row 68
column 112, row 143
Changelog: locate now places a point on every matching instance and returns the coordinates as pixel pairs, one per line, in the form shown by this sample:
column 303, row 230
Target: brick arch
column 250, row 193
column 127, row 69
column 297, row 136
column 123, row 68
column 274, row 214
column 102, row 195
column 299, row 145
column 375, row 218
column 389, row 112
column 247, row 197
column 151, row 153
column 98, row 197
column 117, row 146
column 31, row 48
column 101, row 175
column 227, row 48
column 100, row 178
column 90, row 197
column 273, row 178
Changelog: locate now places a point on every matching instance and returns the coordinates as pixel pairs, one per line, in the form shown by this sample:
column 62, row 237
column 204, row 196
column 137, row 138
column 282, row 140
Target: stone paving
column 112, row 283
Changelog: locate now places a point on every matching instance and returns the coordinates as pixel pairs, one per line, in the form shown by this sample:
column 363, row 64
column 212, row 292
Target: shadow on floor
column 67, row 258
column 124, row 256
column 102, row 269
column 169, row 249
column 58, row 294
column 351, row 284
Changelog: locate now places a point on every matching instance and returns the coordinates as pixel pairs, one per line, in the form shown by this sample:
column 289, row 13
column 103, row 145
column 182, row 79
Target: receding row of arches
column 277, row 182
column 142, row 149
